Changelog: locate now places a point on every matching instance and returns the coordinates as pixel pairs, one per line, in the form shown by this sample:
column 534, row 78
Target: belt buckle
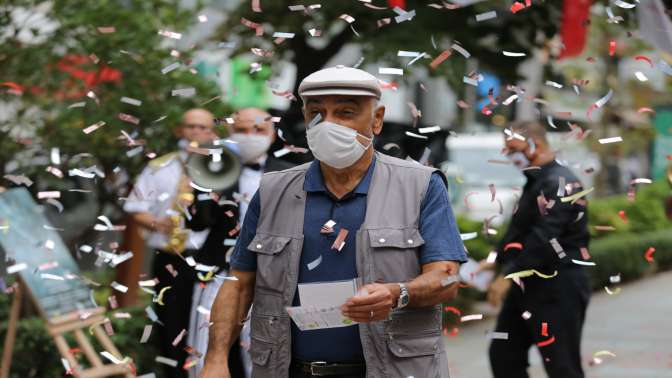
column 315, row 364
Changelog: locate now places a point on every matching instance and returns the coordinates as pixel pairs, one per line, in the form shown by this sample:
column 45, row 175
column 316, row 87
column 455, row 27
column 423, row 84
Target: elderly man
column 253, row 132
column 399, row 236
column 547, row 233
column 152, row 202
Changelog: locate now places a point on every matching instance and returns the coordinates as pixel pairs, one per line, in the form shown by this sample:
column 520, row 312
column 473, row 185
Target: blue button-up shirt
column 437, row 227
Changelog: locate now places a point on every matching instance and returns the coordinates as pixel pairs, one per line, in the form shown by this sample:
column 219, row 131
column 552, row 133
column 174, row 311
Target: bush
column 624, row 254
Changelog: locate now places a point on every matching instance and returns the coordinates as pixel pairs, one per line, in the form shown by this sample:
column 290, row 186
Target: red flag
column 397, row 3
column 574, row 26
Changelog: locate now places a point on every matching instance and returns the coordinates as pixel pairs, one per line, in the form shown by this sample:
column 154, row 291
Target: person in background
column 253, row 133
column 548, row 233
column 360, row 214
column 158, row 191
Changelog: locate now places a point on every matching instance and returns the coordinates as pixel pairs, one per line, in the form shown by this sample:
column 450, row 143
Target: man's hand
column 150, row 222
column 374, row 302
column 498, row 289
column 215, row 370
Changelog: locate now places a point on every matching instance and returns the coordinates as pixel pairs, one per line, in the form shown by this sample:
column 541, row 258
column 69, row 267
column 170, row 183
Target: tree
column 71, row 70
column 433, row 30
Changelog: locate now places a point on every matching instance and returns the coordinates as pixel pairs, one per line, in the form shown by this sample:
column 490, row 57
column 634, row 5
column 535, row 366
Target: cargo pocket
column 261, row 354
column 272, row 263
column 415, row 356
column 395, row 253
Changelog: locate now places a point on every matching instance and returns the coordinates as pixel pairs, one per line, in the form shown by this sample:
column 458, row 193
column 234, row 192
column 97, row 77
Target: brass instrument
column 218, row 172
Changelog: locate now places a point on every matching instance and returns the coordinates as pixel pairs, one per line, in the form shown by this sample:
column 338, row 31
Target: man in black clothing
column 253, row 132
column 548, row 233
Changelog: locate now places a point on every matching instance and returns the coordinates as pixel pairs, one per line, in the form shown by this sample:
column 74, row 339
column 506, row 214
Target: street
column 633, row 324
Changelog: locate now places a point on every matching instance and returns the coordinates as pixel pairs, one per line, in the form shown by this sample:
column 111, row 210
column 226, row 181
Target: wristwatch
column 403, row 297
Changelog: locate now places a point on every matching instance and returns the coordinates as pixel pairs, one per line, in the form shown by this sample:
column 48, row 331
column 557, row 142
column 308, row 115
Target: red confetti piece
column 648, row 255
column 439, row 59
column 612, row 48
column 546, row 342
column 544, row 329
column 452, row 309
column 340, row 239
column 644, row 58
column 621, row 214
column 516, row 7
column 513, row 245
column 645, row 110
column 486, row 110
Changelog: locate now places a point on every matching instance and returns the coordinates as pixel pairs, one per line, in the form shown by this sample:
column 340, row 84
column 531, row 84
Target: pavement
column 635, row 324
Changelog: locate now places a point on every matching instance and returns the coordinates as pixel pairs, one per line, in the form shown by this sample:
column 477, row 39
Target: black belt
column 320, row 369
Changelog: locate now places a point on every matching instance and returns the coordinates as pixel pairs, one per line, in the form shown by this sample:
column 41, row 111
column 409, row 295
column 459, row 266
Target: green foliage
column 41, row 117
column 646, row 213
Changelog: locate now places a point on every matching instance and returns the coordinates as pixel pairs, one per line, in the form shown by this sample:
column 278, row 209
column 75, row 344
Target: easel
column 57, row 328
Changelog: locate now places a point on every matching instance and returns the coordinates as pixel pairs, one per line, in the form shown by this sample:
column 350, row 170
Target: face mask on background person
column 336, row 145
column 251, row 146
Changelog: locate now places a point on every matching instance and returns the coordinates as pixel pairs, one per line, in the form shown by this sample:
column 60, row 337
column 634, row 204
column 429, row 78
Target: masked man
column 253, row 134
column 359, row 214
column 548, row 233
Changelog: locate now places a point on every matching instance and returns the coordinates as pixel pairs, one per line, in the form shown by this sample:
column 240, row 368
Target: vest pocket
column 261, row 354
column 414, row 356
column 271, row 262
column 395, row 253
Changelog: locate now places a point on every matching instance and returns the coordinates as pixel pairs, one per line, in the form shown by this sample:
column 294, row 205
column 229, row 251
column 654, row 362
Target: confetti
column 179, row 337
column 600, row 103
column 313, row 264
column 106, row 29
column 166, row 361
column 584, row 263
column 347, row 18
column 623, row 4
column 468, row 318
column 610, row 140
column 554, row 84
column 648, row 255
column 461, row 50
column 513, row 54
column 131, row 101
column 183, row 92
column 413, row 135
column 439, row 59
column 339, row 243
column 170, row 67
column 486, row 16
column 544, row 343
column 641, row 77
column 557, row 248
column 391, row 71
column 498, row 335
column 614, row 292
column 170, row 34
column 530, row 272
column 119, row 287
column 469, row 236
column 575, row 197
column 429, row 129
column 16, row 268
column 128, row 118
column 48, row 194
column 19, row 180
column 644, row 58
column 612, row 48
column 526, row 315
column 283, row 35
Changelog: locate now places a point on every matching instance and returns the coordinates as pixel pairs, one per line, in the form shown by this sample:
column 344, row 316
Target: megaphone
column 217, row 171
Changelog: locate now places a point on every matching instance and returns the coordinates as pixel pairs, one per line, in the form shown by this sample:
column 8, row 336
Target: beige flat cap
column 339, row 80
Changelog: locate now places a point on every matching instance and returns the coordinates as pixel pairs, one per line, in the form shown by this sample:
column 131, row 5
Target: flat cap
column 339, row 80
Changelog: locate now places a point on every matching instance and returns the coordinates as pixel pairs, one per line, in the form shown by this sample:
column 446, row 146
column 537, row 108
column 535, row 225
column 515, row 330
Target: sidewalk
column 635, row 324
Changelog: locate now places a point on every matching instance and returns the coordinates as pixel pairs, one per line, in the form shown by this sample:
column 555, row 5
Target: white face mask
column 336, row 145
column 519, row 159
column 251, row 146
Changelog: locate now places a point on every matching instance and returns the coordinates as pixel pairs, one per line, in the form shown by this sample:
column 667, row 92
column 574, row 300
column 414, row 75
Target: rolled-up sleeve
column 438, row 226
column 242, row 258
column 138, row 201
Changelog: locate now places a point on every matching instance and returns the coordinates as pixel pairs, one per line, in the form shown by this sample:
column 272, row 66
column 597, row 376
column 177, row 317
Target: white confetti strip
column 486, row 16
column 184, row 92
column 513, row 54
column 469, row 235
column 16, row 268
column 166, row 361
column 470, row 81
column 48, row 276
column 94, row 127
column 49, row 244
column 498, row 335
column 414, row 135
column 202, row 18
column 347, row 18
column 640, row 76
column 50, row 194
column 492, row 257
column 468, row 318
column 429, row 129
column 584, row 263
column 313, row 264
column 461, row 50
column 408, row 54
column 624, row 5
column 557, row 248
column 170, row 34
column 553, row 84
column 615, row 279
column 119, row 287
column 283, row 35
column 146, row 332
column 610, row 140
column 641, row 181
column 390, row 71
column 78, row 172
column 131, row 101
column 526, row 315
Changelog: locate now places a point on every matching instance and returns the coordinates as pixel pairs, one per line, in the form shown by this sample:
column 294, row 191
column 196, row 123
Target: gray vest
column 409, row 343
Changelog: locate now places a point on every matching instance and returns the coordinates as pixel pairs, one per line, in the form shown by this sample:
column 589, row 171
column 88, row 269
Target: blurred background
column 469, row 68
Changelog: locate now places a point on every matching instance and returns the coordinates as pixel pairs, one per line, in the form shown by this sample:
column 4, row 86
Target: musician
column 160, row 191
column 253, row 134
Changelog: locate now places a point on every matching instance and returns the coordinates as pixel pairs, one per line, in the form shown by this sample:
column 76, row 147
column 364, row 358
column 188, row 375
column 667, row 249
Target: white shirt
column 248, row 183
column 154, row 192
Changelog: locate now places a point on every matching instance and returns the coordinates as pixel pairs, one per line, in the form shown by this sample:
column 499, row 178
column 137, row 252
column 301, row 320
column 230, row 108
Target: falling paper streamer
column 391, row 71
column 439, row 59
column 557, row 248
column 468, row 318
column 526, row 315
column 584, row 263
column 403, row 15
column 166, row 361
column 513, row 54
column 347, row 18
column 530, row 272
column 119, row 287
column 486, row 16
column 553, row 84
column 131, row 101
column 179, row 337
column 575, row 197
column 498, row 335
column 184, row 92
column 313, row 264
column 461, row 50
column 340, row 240
column 600, row 103
column 469, row 236
column 610, row 140
column 624, row 5
column 170, row 67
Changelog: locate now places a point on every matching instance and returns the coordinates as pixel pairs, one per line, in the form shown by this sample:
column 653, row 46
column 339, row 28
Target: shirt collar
column 315, row 182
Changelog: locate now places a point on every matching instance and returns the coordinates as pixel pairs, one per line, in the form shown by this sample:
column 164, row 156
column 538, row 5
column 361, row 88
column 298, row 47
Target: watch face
column 404, row 300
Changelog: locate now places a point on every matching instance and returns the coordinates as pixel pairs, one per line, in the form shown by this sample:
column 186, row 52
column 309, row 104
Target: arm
column 228, row 315
column 138, row 204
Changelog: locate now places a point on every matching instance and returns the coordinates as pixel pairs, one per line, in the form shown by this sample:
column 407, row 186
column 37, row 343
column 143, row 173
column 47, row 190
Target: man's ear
column 178, row 132
column 378, row 116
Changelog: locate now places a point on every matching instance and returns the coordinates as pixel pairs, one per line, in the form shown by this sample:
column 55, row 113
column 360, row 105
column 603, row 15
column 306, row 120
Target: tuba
column 209, row 168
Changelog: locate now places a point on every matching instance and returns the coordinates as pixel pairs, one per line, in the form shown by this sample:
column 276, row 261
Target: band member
column 253, row 134
column 157, row 200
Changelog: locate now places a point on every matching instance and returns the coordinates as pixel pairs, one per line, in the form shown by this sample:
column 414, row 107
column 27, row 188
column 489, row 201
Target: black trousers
column 559, row 302
column 175, row 312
